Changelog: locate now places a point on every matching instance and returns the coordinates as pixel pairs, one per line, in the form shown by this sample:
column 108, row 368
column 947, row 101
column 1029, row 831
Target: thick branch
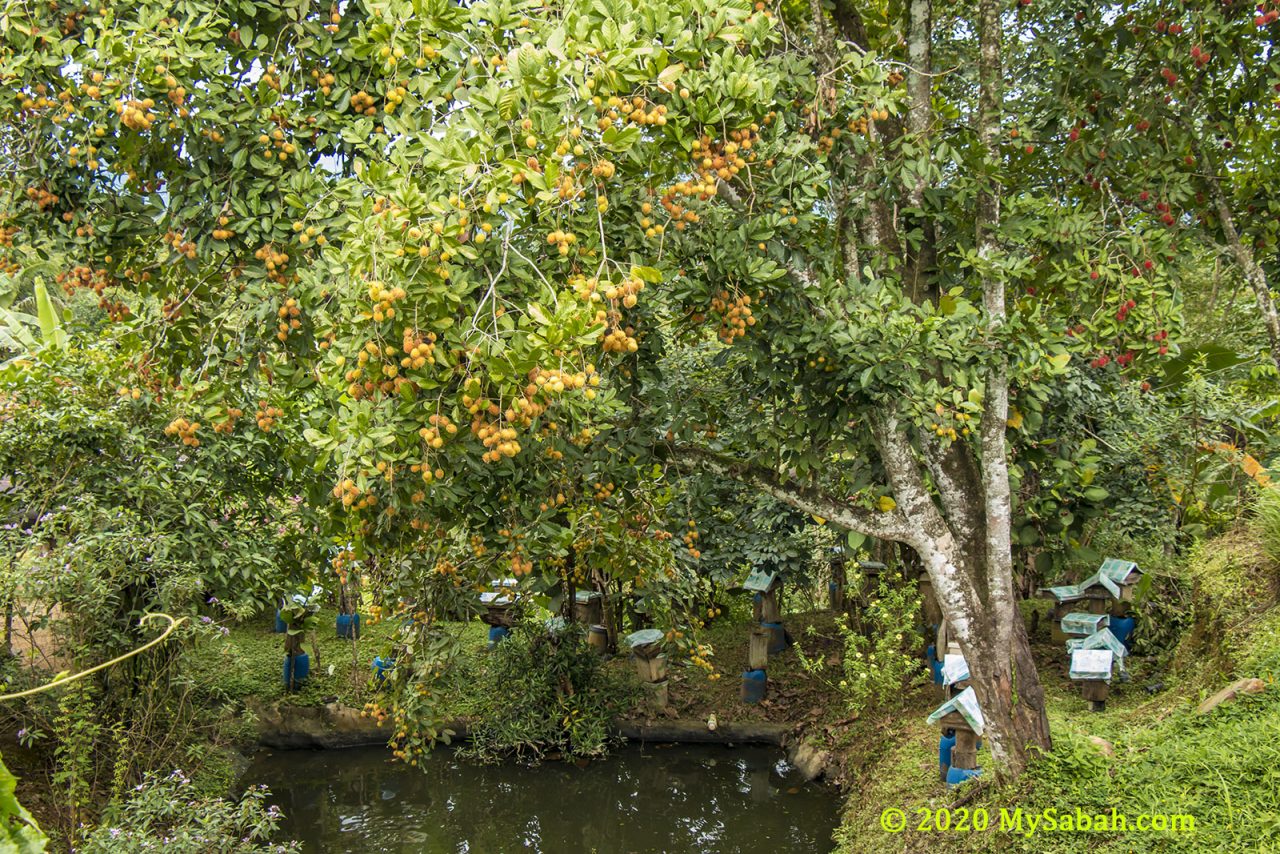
column 883, row 526
column 931, row 536
column 898, row 457
column 959, row 485
column 919, row 121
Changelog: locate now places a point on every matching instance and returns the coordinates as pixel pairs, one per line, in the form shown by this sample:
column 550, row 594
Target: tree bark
column 1000, row 661
column 1006, row 659
column 917, row 274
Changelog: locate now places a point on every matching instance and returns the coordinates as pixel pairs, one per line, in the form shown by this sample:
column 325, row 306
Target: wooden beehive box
column 955, row 673
column 962, row 714
column 870, row 572
column 1119, row 579
column 839, row 580
column 588, row 607
column 646, row 643
column 651, row 669
column 499, row 609
column 657, row 696
column 929, row 600
column 1091, row 602
column 1092, row 668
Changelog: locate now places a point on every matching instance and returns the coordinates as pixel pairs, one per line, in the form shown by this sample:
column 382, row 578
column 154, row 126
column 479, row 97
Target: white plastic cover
column 1091, row 664
column 954, row 669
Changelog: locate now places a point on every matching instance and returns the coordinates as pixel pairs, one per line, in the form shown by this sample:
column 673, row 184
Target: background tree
column 1166, row 111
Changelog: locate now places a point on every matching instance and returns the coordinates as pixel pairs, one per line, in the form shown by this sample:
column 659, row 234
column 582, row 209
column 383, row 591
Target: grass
column 248, row 663
column 1221, row 768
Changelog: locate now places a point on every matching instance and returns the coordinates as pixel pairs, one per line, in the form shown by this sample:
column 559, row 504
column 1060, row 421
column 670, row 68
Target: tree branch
column 1243, row 255
column 959, row 485
column 883, row 526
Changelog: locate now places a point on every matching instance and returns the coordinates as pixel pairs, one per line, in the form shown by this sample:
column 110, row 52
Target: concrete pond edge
column 334, row 726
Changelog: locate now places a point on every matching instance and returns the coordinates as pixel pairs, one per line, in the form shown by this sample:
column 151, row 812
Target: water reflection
column 656, row 799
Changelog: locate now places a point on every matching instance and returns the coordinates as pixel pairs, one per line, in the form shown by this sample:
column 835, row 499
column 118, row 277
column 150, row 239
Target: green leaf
column 50, row 326
column 647, row 274
column 19, row 833
column 535, row 311
column 671, row 73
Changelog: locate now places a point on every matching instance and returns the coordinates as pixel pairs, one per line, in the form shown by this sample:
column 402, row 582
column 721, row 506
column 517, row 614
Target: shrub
column 1266, row 523
column 883, row 660
column 166, row 814
column 543, row 691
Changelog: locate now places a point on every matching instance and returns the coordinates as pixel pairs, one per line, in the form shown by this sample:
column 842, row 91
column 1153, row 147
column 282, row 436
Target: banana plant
column 18, row 329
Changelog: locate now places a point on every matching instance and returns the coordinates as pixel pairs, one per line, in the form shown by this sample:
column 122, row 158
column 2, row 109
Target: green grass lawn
column 248, row 662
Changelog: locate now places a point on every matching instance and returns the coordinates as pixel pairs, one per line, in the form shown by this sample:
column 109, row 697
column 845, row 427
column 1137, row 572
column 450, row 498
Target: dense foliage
column 399, row 296
column 162, row 814
column 543, row 692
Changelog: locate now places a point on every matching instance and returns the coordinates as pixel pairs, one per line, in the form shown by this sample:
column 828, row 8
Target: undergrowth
column 1150, row 752
column 543, row 692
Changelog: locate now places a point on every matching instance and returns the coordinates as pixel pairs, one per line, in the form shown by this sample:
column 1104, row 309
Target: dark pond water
column 668, row 799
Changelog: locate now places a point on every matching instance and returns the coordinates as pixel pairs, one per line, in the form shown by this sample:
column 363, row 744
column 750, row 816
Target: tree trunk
column 990, row 633
column 998, row 652
column 1010, row 695
column 918, row 274
column 1005, row 672
column 953, row 500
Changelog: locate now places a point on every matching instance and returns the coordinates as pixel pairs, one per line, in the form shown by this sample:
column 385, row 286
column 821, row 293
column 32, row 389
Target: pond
column 656, row 798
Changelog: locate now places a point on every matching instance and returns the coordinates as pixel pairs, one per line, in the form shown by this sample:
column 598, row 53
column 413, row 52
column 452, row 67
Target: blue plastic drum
column 381, row 667
column 1122, row 628
column 753, row 686
column 945, row 743
column 348, row 626
column 296, row 670
column 956, row 776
